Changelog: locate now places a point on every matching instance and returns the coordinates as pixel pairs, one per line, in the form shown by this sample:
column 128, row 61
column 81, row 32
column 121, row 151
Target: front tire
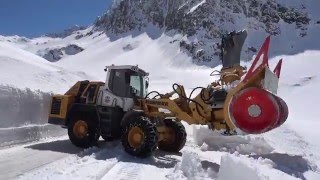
column 178, row 137
column 82, row 132
column 140, row 137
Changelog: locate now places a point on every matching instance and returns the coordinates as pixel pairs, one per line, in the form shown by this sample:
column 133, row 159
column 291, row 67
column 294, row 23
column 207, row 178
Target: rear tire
column 145, row 131
column 78, row 136
column 179, row 137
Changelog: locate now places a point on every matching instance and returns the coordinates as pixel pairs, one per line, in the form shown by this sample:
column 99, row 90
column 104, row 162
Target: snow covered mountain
column 197, row 25
column 203, row 22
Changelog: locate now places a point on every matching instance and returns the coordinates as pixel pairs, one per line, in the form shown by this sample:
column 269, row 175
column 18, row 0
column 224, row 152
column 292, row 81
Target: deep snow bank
column 23, row 116
column 244, row 144
column 22, row 107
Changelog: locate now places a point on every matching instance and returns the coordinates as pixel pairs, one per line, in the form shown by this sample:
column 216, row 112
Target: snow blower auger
column 121, row 108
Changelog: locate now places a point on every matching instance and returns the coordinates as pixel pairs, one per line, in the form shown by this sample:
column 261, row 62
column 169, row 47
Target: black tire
column 150, row 140
column 129, row 116
column 92, row 134
column 180, row 137
column 107, row 138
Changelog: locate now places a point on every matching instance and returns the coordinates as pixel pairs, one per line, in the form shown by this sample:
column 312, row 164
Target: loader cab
column 127, row 81
column 90, row 93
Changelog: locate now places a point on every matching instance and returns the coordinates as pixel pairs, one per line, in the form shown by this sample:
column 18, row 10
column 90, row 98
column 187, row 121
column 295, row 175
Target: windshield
column 139, row 84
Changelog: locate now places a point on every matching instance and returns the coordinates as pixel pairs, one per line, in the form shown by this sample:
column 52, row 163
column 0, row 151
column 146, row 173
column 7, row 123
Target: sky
column 32, row 18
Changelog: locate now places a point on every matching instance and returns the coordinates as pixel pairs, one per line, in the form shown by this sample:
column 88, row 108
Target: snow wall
column 23, row 116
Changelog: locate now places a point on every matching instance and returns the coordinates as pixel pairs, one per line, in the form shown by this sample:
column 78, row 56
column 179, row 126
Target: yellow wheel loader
column 239, row 100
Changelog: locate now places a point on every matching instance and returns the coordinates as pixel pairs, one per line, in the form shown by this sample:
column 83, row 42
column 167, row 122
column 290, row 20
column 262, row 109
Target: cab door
column 89, row 95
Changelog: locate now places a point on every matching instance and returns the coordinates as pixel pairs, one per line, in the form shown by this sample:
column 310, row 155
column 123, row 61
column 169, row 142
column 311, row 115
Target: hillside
column 22, row 69
column 203, row 22
column 197, row 25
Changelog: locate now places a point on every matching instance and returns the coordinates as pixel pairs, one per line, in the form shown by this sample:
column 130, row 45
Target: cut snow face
column 23, row 116
column 22, row 107
column 290, row 164
column 215, row 141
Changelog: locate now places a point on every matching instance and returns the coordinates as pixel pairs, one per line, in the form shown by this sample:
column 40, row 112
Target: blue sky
column 33, row 18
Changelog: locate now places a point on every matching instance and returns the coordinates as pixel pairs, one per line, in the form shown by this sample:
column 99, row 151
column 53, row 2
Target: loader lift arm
column 239, row 99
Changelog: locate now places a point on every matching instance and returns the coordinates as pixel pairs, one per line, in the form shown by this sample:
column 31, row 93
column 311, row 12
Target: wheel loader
column 240, row 100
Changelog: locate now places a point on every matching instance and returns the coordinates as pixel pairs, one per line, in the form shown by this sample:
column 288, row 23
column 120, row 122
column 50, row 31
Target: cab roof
column 133, row 68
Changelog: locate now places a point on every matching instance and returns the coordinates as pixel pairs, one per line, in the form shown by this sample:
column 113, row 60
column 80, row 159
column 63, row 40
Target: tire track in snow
column 123, row 171
column 103, row 172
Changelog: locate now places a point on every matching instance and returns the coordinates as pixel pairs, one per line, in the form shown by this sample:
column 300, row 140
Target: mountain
column 66, row 32
column 203, row 22
column 197, row 25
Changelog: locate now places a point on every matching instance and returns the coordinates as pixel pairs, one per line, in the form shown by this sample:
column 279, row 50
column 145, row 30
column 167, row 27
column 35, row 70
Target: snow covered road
column 207, row 155
column 18, row 160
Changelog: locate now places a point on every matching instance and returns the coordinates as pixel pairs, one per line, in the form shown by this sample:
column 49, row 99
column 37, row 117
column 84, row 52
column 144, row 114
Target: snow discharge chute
column 253, row 106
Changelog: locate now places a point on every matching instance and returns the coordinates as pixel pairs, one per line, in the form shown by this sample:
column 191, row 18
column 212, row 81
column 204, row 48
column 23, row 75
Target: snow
column 207, row 154
column 237, row 167
column 299, row 84
column 213, row 141
column 196, row 6
column 23, row 69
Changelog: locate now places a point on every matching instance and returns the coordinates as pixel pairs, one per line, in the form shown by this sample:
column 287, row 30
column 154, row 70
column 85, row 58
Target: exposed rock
column 203, row 22
column 56, row 54
column 66, row 32
column 128, row 47
column 72, row 49
column 252, row 49
column 53, row 55
column 79, row 36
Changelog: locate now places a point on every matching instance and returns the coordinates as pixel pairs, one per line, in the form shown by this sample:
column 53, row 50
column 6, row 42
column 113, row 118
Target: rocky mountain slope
column 203, row 22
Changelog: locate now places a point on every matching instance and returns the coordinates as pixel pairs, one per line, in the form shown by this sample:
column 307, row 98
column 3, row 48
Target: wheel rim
column 135, row 137
column 80, row 129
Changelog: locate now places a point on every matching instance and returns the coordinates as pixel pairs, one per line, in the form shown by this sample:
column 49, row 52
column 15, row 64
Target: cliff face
column 203, row 22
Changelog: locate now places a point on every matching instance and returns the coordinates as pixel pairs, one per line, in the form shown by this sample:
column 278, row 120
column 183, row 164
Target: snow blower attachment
column 252, row 106
column 121, row 108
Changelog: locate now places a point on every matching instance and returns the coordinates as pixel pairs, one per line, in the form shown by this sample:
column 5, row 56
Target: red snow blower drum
column 254, row 110
column 284, row 112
